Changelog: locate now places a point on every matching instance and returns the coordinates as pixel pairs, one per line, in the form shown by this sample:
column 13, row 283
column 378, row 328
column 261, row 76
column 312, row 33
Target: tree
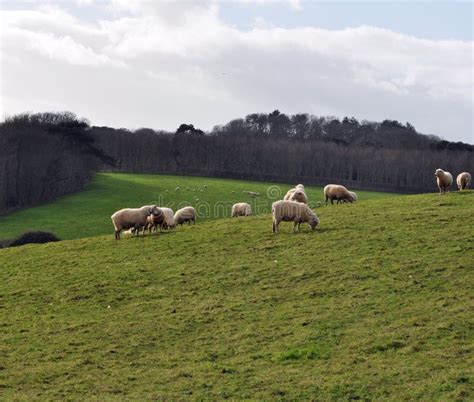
column 189, row 129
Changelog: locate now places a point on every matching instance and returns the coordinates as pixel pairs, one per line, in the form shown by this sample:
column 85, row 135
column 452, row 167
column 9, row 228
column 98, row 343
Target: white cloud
column 160, row 64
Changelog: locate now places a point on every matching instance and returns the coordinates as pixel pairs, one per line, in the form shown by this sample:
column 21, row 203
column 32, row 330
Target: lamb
column 291, row 211
column 463, row 180
column 168, row 219
column 132, row 218
column 339, row 193
column 444, row 180
column 152, row 222
column 241, row 209
column 186, row 214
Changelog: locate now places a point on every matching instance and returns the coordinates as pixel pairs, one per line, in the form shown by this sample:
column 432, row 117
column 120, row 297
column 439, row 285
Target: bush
column 33, row 237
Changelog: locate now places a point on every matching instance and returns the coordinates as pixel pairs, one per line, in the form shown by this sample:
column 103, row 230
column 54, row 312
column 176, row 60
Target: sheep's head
column 314, row 222
column 155, row 211
column 439, row 172
column 298, row 196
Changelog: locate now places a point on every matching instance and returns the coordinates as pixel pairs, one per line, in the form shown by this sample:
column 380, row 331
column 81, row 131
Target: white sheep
column 444, row 180
column 291, row 211
column 463, row 180
column 241, row 209
column 339, row 193
column 132, row 218
column 297, row 193
column 168, row 218
column 186, row 214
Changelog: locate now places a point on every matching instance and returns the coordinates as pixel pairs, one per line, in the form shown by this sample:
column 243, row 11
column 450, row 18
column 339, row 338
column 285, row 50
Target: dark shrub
column 5, row 243
column 33, row 237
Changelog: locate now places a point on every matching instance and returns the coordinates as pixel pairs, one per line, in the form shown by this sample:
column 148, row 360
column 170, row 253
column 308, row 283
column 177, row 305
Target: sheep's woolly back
column 289, row 194
column 184, row 214
column 241, row 209
column 168, row 217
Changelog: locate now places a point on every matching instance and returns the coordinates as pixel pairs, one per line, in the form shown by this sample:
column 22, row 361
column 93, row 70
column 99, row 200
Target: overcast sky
column 158, row 64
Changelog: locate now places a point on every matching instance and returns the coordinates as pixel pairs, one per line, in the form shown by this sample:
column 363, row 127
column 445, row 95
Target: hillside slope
column 87, row 213
column 377, row 303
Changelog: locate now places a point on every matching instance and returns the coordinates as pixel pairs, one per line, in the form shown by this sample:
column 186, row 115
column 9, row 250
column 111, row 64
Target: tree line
column 51, row 154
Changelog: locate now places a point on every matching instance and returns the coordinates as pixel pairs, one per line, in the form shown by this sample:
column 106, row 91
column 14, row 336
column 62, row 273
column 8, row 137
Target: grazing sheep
column 463, row 180
column 291, row 211
column 205, row 186
column 168, row 219
column 339, row 193
column 132, row 218
column 241, row 209
column 354, row 197
column 444, row 180
column 186, row 214
column 177, row 188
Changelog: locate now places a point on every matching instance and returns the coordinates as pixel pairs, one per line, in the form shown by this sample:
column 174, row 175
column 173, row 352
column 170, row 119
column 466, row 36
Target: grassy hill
column 377, row 303
column 88, row 213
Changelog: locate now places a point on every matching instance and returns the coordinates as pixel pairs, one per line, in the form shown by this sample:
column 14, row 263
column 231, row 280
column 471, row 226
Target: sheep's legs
column 275, row 226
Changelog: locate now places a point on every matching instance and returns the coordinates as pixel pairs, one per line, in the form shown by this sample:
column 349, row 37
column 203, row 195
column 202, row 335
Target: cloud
column 160, row 64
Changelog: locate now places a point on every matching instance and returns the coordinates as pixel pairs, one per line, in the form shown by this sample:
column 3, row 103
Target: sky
column 157, row 64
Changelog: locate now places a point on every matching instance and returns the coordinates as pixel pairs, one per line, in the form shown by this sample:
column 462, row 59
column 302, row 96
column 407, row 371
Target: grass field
column 377, row 303
column 88, row 213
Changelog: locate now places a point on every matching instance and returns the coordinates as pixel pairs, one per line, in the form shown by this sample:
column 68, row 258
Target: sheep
column 168, row 219
column 186, row 214
column 177, row 188
column 289, row 194
column 291, row 211
column 253, row 193
column 153, row 221
column 297, row 193
column 241, row 209
column 444, row 180
column 339, row 193
column 299, row 196
column 463, row 180
column 354, row 197
column 132, row 218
